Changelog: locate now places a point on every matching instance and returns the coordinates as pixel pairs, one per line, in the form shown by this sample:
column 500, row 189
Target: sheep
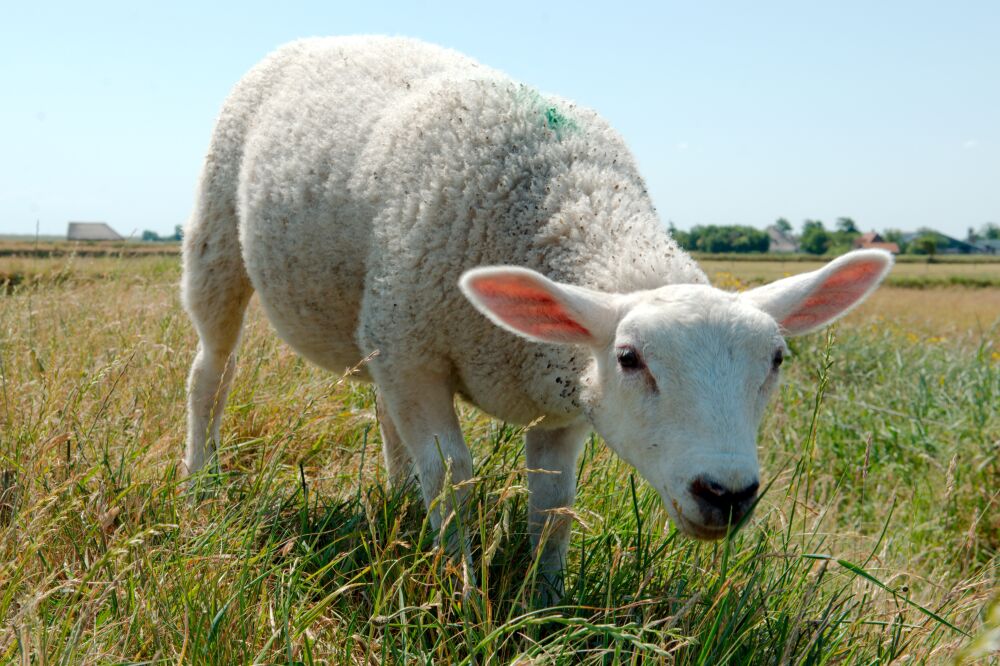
column 383, row 194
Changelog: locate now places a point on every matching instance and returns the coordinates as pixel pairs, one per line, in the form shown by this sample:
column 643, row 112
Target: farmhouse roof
column 888, row 247
column 780, row 241
column 873, row 241
column 988, row 246
column 945, row 244
column 91, row 231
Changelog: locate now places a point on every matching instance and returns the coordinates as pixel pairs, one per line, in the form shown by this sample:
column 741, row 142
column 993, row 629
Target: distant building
column 944, row 244
column 988, row 246
column 781, row 242
column 873, row 241
column 91, row 231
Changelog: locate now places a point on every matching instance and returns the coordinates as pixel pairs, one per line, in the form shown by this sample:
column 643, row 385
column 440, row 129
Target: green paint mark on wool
column 554, row 119
column 533, row 102
column 557, row 122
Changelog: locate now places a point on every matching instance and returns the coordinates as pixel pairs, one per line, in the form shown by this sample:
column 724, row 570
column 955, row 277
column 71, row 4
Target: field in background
column 949, row 299
column 876, row 540
column 910, row 274
column 928, row 297
column 50, row 247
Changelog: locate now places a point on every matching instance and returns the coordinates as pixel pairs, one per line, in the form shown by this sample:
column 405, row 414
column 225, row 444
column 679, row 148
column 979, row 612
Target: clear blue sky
column 740, row 112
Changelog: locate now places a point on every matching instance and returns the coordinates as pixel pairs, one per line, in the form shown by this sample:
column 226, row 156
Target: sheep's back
column 297, row 125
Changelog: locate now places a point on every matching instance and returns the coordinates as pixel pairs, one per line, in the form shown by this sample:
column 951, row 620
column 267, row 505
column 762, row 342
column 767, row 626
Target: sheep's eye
column 779, row 356
column 628, row 358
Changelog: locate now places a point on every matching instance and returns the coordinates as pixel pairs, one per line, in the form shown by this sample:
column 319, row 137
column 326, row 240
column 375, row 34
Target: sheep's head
column 681, row 374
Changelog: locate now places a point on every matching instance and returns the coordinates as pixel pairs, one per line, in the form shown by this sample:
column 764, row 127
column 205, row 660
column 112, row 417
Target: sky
column 737, row 112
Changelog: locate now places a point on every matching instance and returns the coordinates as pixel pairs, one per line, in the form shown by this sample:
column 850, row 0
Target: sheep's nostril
column 713, row 495
column 713, row 490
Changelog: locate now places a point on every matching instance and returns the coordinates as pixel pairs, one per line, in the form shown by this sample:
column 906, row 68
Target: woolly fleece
column 352, row 180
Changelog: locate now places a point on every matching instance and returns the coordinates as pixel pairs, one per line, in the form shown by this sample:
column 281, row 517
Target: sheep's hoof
column 548, row 590
column 202, row 485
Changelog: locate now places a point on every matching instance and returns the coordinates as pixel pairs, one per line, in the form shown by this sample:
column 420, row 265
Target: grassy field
column 876, row 541
column 58, row 247
column 909, row 274
column 947, row 299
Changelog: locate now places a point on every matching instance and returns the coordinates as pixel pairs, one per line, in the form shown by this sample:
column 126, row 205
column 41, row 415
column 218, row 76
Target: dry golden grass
column 945, row 311
column 62, row 248
column 757, row 272
column 301, row 555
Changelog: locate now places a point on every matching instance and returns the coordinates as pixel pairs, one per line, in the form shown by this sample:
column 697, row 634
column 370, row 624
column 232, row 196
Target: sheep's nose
column 722, row 505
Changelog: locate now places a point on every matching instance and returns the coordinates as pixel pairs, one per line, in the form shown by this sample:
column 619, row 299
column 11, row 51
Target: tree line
column 715, row 238
column 153, row 237
column 815, row 237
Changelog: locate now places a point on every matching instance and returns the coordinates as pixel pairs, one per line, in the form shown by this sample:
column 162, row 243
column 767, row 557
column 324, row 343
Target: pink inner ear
column 524, row 306
column 837, row 293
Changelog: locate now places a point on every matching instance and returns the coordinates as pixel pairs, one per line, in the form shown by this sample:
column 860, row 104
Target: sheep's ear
column 803, row 303
column 533, row 306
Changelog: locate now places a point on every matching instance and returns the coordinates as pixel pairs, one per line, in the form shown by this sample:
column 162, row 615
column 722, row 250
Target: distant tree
column 178, row 232
column 808, row 224
column 895, row 236
column 842, row 240
column 783, row 225
column 847, row 225
column 815, row 238
column 150, row 236
column 971, row 236
column 683, row 238
column 990, row 231
column 926, row 243
column 728, row 238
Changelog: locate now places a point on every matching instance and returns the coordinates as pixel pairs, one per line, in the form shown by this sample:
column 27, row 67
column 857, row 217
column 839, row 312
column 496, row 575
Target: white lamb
column 354, row 183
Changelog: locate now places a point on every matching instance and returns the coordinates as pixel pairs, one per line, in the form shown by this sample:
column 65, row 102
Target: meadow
column 908, row 272
column 876, row 540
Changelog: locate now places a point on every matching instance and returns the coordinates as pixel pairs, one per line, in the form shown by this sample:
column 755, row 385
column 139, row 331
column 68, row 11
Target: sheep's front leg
column 423, row 412
column 551, row 457
column 398, row 463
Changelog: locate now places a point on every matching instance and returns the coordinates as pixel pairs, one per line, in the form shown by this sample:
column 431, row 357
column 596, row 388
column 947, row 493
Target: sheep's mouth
column 703, row 533
column 695, row 530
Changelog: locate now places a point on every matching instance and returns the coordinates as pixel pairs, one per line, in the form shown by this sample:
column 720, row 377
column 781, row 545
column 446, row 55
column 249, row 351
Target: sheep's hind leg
column 551, row 457
column 216, row 291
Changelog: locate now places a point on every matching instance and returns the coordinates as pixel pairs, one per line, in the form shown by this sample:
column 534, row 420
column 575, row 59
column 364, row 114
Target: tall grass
column 875, row 541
